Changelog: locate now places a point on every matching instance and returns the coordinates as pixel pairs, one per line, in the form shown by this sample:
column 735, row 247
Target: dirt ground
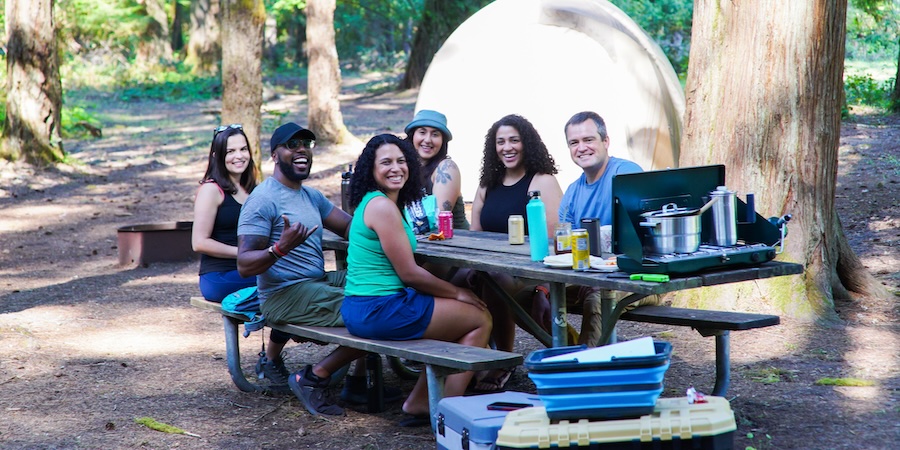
column 87, row 346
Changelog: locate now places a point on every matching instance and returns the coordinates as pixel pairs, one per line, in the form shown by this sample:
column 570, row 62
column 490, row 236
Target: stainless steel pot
column 674, row 229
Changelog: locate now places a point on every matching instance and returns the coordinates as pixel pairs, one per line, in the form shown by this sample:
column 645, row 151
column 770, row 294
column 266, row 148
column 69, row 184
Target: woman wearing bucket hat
column 429, row 135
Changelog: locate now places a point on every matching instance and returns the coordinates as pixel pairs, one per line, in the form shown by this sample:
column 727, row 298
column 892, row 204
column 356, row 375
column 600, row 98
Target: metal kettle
column 724, row 217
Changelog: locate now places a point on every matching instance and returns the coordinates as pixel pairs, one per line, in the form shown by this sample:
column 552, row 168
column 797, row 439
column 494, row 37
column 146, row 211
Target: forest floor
column 88, row 346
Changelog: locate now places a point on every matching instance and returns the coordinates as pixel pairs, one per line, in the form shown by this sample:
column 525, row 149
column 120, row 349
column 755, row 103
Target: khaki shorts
column 310, row 303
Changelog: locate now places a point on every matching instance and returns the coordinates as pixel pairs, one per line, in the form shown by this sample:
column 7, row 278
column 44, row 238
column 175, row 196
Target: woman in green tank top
column 389, row 296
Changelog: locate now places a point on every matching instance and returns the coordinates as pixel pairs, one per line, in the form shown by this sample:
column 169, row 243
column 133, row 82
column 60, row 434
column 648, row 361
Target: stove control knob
column 754, row 257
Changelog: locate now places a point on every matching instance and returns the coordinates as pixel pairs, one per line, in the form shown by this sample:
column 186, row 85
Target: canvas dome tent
column 546, row 60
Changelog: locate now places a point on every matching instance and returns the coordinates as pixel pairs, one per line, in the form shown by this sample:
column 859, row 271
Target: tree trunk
column 154, row 47
column 204, row 49
column 242, row 34
column 439, row 19
column 764, row 98
column 33, row 89
column 177, row 32
column 895, row 94
column 324, row 80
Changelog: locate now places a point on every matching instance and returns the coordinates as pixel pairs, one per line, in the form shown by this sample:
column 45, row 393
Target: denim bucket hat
column 429, row 118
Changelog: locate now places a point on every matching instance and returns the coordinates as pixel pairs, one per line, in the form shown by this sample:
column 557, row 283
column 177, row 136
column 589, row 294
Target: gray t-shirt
column 261, row 216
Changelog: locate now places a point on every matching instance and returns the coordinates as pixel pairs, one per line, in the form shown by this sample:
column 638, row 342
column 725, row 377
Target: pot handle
column 648, row 224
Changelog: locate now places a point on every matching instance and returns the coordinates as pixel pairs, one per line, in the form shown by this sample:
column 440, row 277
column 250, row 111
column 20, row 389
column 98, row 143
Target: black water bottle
column 345, row 189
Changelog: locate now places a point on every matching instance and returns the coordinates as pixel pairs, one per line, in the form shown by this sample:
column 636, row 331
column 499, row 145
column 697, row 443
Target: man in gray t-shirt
column 280, row 241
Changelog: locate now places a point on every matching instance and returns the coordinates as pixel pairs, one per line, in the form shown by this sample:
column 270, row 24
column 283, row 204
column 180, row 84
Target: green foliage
column 668, row 22
column 73, row 120
column 856, row 382
column 863, row 89
column 100, row 25
column 873, row 30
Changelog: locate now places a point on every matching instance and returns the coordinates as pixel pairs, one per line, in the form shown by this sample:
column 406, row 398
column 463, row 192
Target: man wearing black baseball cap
column 280, row 241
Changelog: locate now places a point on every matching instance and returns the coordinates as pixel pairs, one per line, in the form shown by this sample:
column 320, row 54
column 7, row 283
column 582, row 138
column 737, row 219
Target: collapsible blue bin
column 616, row 389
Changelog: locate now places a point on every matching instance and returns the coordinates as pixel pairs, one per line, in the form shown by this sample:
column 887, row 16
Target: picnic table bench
column 707, row 323
column 439, row 357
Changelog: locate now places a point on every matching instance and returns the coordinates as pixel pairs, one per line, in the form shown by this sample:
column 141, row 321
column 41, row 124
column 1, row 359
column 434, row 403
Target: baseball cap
column 287, row 131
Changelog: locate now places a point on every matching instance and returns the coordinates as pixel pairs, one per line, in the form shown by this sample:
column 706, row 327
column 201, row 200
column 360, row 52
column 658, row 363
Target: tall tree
column 242, row 35
column 33, row 88
column 204, row 49
column 177, row 32
column 324, row 80
column 154, row 45
column 764, row 97
column 439, row 19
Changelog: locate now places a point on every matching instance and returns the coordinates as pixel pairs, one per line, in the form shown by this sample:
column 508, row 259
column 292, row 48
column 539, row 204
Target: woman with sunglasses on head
column 230, row 177
column 389, row 296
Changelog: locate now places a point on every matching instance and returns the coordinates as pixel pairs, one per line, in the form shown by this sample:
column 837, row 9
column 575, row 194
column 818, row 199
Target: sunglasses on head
column 294, row 144
column 234, row 126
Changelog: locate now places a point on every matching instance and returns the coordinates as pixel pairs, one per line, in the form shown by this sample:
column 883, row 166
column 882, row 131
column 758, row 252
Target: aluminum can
column 563, row 238
column 516, row 228
column 445, row 223
column 581, row 250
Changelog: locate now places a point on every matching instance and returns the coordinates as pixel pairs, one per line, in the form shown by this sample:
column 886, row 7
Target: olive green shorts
column 310, row 303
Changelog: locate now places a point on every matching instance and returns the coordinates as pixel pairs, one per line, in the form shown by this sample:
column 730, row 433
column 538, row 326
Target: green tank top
column 369, row 272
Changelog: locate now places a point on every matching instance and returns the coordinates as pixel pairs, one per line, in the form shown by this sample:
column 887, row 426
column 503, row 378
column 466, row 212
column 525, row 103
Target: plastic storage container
column 623, row 387
column 673, row 424
column 472, row 422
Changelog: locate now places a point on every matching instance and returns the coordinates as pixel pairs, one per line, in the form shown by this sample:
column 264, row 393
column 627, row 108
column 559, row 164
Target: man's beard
column 287, row 169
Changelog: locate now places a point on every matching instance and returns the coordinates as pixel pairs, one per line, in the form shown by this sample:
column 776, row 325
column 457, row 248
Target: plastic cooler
column 674, row 424
column 622, row 387
column 472, row 422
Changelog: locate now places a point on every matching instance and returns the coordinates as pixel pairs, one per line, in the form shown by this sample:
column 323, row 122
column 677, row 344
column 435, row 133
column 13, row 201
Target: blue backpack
column 246, row 302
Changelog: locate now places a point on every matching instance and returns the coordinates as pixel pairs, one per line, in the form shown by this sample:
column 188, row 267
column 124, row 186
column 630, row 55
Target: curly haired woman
column 515, row 162
column 388, row 295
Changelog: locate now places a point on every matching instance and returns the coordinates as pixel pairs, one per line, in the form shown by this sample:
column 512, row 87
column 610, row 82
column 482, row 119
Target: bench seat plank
column 700, row 319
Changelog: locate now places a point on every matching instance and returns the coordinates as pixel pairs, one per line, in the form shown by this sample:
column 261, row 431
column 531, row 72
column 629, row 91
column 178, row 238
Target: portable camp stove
column 638, row 193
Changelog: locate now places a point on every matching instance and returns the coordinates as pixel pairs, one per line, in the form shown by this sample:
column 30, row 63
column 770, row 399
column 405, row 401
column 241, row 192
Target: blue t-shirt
column 590, row 201
column 261, row 216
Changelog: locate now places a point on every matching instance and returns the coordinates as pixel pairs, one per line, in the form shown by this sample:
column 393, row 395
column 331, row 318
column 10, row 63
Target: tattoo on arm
column 446, row 206
column 442, row 175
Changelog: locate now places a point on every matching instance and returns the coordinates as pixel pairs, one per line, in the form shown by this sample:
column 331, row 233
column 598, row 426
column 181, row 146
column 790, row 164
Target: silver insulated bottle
column 724, row 218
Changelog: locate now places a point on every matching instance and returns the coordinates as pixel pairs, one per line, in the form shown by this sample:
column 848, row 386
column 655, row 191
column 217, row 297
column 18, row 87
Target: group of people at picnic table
column 269, row 235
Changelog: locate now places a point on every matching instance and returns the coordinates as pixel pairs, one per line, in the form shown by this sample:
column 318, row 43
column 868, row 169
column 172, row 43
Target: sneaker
column 355, row 391
column 275, row 372
column 313, row 393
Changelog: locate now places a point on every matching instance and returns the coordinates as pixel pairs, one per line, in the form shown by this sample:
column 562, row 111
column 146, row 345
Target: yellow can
column 516, row 228
column 581, row 250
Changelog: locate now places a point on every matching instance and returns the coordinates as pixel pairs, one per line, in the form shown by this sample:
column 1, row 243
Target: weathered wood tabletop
column 491, row 252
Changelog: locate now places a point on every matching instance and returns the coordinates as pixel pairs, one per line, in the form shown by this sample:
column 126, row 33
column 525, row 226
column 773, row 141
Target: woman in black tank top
column 515, row 161
column 230, row 177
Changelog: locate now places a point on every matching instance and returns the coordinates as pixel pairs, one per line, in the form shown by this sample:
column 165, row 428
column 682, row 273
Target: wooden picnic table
column 491, row 252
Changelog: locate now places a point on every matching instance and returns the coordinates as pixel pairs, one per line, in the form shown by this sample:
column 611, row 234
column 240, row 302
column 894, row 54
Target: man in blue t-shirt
column 590, row 196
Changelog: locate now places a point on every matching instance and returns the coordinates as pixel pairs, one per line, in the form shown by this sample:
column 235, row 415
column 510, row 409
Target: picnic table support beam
column 609, row 320
column 233, row 356
column 524, row 319
column 558, row 306
column 435, row 376
column 607, row 302
column 723, row 363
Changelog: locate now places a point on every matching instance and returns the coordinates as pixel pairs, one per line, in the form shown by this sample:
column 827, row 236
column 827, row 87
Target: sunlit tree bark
column 204, row 49
column 764, row 98
column 155, row 46
column 33, row 89
column 324, row 82
column 242, row 34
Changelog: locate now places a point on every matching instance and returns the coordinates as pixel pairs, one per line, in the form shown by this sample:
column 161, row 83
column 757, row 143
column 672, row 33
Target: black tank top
column 503, row 201
column 224, row 231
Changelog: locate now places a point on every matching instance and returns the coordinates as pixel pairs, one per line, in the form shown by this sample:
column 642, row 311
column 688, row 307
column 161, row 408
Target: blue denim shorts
column 396, row 317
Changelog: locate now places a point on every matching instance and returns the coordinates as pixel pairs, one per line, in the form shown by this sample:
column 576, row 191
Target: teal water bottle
column 537, row 226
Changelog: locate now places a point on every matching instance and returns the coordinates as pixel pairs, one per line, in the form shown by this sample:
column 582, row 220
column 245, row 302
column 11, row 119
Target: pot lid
column 671, row 210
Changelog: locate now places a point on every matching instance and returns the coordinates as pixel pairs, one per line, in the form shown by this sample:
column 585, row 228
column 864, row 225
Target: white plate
column 564, row 261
